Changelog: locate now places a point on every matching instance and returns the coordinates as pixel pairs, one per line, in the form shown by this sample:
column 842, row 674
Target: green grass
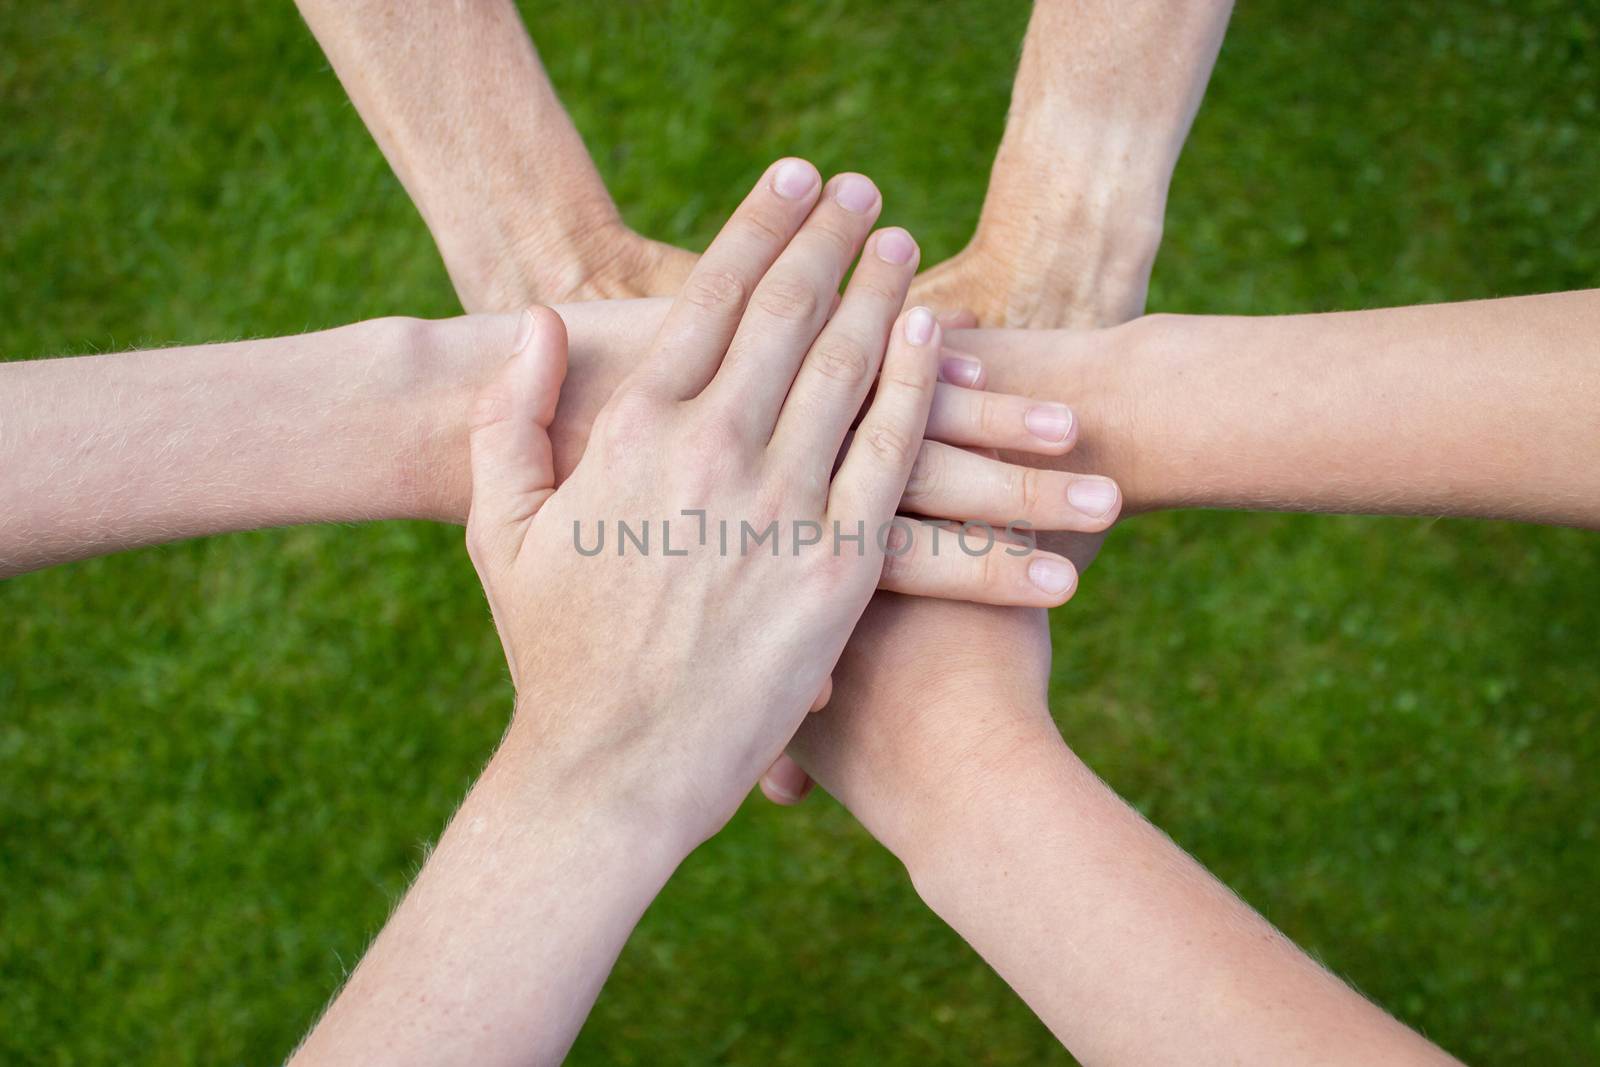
column 221, row 761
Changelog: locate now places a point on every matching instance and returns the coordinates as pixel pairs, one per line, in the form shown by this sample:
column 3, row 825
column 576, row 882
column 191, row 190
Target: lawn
column 221, row 761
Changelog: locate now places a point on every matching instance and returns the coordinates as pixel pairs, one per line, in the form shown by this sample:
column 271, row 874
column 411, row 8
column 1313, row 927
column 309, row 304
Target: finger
column 951, row 483
column 974, row 563
column 785, row 783
column 978, row 419
column 513, row 464
column 873, row 476
column 959, row 319
column 791, row 303
column 695, row 334
column 960, row 368
column 824, row 695
column 836, row 374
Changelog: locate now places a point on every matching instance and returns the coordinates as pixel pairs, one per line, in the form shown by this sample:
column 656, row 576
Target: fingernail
column 1049, row 422
column 919, row 326
column 855, row 193
column 524, row 332
column 1092, row 496
column 895, row 246
column 1052, row 576
column 777, row 792
column 794, row 179
column 961, row 370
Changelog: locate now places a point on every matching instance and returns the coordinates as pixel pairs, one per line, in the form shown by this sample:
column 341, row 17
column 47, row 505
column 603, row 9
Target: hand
column 948, row 481
column 582, row 261
column 885, row 746
column 735, row 414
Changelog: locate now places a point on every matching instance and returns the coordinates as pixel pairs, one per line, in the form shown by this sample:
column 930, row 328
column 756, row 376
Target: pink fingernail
column 855, row 193
column 794, row 179
column 961, row 370
column 895, row 246
column 524, row 332
column 1094, row 497
column 919, row 326
column 1049, row 422
column 1052, row 576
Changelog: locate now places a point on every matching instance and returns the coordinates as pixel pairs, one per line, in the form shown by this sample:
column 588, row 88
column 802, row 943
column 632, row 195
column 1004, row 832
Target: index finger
column 695, row 335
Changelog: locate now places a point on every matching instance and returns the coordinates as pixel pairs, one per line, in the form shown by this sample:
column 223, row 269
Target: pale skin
column 1125, row 1003
column 1487, row 408
column 611, row 773
column 938, row 737
column 457, row 99
column 104, row 453
column 1297, row 413
column 1124, row 946
column 1327, row 377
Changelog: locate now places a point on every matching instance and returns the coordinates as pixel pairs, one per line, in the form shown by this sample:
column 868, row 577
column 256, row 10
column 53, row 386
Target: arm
column 103, row 453
column 611, row 774
column 456, row 98
column 458, row 101
column 939, row 740
column 1486, row 408
column 500, row 947
column 1104, row 97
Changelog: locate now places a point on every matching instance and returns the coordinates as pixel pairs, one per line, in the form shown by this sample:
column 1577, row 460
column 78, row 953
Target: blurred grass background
column 221, row 761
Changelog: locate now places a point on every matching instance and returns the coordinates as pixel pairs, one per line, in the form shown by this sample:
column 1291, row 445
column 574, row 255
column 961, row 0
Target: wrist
column 611, row 799
column 1102, row 374
column 980, row 803
column 548, row 253
column 1153, row 373
column 441, row 366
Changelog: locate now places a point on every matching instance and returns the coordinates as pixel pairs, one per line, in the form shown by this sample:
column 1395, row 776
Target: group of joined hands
column 655, row 687
column 676, row 677
column 899, row 653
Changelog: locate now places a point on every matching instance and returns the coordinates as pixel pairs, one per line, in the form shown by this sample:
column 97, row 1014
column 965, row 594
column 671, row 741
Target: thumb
column 513, row 463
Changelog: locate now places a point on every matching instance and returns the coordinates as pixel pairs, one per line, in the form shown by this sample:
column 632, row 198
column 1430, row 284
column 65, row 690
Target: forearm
column 1123, row 945
column 102, row 453
column 1485, row 408
column 497, row 953
column 1104, row 98
column 458, row 101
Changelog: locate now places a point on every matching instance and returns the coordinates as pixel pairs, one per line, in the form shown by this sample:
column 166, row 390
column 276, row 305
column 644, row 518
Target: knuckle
column 1029, row 489
column 909, row 370
column 877, row 288
column 990, row 418
column 789, row 299
column 923, row 483
column 889, row 444
column 714, row 438
column 715, row 290
column 990, row 569
column 840, row 359
column 840, row 241
column 767, row 228
column 627, row 421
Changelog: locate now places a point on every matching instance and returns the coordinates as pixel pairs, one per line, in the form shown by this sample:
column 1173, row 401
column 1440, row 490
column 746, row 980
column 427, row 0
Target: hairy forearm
column 102, row 453
column 1123, row 945
column 497, row 953
column 456, row 98
column 1485, row 408
column 1129, row 74
column 1104, row 97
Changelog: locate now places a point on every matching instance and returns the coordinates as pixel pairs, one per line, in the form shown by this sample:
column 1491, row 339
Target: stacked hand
column 758, row 452
column 729, row 424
